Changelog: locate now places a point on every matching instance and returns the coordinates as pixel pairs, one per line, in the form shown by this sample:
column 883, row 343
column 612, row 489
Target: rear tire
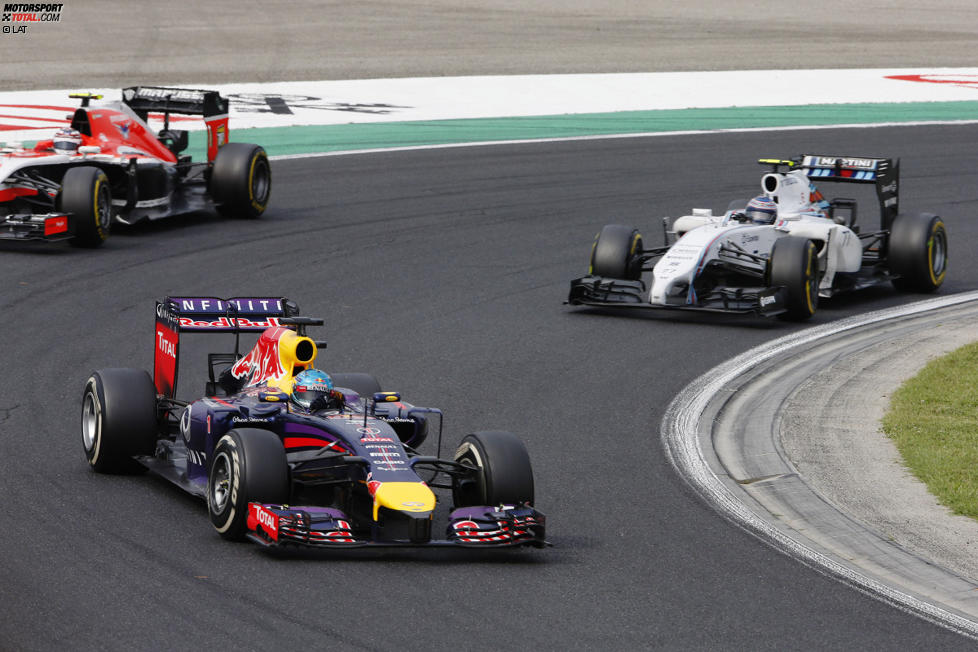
column 118, row 419
column 248, row 466
column 918, row 252
column 794, row 265
column 504, row 474
column 85, row 194
column 241, row 180
column 617, row 253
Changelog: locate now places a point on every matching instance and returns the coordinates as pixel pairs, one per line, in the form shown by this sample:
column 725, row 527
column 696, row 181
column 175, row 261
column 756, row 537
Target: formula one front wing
column 327, row 527
column 618, row 293
column 46, row 226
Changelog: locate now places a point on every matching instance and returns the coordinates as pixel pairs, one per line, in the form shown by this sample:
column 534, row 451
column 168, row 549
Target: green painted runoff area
column 361, row 136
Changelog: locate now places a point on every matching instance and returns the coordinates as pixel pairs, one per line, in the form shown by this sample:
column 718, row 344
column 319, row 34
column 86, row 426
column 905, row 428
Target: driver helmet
column 761, row 210
column 67, row 140
column 310, row 385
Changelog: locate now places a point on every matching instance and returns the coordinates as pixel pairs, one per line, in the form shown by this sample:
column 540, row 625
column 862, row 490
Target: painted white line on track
column 680, row 434
column 651, row 134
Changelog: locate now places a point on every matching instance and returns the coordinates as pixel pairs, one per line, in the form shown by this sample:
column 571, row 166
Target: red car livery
column 123, row 171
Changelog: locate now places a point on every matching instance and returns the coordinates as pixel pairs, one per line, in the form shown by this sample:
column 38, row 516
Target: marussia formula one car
column 342, row 473
column 124, row 171
column 810, row 247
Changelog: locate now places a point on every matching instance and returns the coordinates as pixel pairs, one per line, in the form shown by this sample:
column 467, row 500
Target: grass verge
column 933, row 419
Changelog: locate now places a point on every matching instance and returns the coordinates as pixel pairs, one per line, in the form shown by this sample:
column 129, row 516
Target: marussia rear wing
column 884, row 173
column 185, row 101
column 210, row 315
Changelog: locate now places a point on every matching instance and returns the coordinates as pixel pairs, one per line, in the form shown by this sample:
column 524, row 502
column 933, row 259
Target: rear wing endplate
column 884, row 173
column 175, row 315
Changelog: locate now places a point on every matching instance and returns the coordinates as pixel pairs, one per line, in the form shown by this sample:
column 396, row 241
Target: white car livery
column 810, row 247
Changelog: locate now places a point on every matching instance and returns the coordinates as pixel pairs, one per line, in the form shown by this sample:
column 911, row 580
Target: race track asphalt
column 443, row 273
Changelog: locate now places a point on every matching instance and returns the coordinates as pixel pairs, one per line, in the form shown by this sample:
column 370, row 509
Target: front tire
column 85, row 194
column 504, row 475
column 616, row 253
column 794, row 265
column 118, row 419
column 248, row 465
column 918, row 252
column 241, row 180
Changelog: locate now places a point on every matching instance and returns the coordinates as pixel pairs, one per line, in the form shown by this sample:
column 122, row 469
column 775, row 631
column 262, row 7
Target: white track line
column 651, row 134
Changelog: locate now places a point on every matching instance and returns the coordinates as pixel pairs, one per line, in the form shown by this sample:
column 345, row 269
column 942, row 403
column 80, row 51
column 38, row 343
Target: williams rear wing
column 184, row 101
column 210, row 315
column 884, row 173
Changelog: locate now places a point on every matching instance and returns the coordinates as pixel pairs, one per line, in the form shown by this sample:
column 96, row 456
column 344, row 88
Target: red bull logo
column 263, row 362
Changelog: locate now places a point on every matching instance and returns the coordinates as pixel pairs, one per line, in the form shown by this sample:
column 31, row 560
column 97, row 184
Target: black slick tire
column 616, row 253
column 118, row 419
column 241, row 180
column 86, row 196
column 248, row 465
column 504, row 475
column 794, row 265
column 917, row 252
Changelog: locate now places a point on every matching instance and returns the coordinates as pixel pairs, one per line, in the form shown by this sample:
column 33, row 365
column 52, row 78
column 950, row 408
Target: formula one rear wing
column 185, row 101
column 884, row 173
column 213, row 315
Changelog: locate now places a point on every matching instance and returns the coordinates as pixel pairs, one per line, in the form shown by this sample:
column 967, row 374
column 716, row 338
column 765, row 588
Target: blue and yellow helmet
column 310, row 385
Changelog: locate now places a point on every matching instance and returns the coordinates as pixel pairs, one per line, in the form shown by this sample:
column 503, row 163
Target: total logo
column 166, row 347
column 268, row 520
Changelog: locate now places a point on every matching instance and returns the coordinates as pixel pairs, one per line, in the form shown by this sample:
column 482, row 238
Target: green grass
column 933, row 419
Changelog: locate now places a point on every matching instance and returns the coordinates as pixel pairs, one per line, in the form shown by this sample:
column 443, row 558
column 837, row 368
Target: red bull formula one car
column 110, row 165
column 340, row 471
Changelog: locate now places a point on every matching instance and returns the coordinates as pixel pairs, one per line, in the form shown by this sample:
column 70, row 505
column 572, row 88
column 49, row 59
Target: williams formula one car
column 775, row 255
column 339, row 471
column 109, row 165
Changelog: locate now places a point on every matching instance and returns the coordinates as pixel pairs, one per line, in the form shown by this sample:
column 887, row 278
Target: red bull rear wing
column 175, row 315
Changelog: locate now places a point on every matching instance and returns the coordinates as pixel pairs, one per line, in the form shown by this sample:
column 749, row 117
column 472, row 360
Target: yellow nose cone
column 404, row 497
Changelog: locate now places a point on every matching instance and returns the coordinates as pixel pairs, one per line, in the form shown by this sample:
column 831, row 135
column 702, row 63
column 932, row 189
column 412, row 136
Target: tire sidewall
column 81, row 191
column 469, row 451
column 912, row 248
column 93, row 396
column 228, row 519
column 257, row 471
column 505, row 475
column 614, row 252
column 794, row 265
column 232, row 182
column 124, row 424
